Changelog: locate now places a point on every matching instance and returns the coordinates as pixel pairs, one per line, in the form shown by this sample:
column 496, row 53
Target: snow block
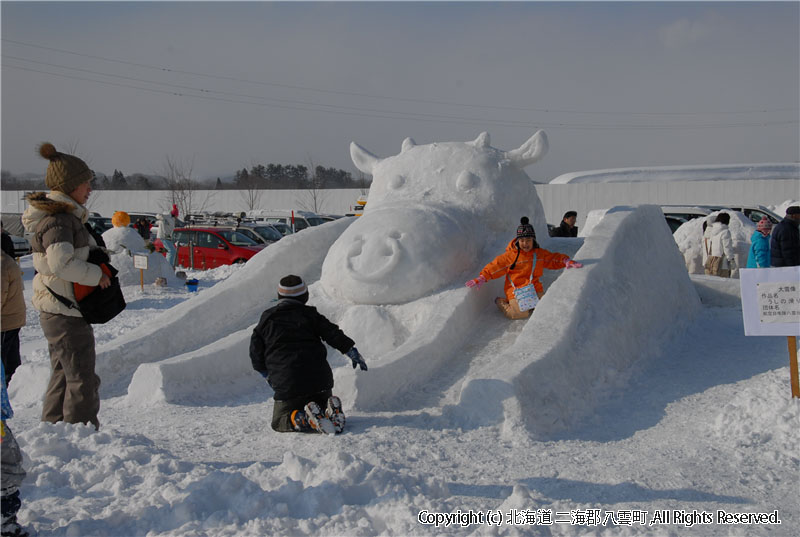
column 215, row 373
column 632, row 295
column 195, row 323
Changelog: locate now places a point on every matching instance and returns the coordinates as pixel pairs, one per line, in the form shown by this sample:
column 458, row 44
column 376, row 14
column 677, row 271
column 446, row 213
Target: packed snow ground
column 700, row 423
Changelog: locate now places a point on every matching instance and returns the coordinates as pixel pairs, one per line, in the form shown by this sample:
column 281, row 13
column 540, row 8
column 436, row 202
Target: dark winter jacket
column 564, row 231
column 785, row 243
column 287, row 346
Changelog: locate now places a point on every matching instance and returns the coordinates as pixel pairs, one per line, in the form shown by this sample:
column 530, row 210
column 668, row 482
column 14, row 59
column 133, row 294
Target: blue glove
column 357, row 359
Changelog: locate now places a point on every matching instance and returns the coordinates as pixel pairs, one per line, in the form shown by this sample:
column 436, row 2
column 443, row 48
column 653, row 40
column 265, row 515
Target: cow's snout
column 395, row 255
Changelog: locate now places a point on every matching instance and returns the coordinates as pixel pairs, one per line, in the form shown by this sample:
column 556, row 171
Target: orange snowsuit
column 521, row 273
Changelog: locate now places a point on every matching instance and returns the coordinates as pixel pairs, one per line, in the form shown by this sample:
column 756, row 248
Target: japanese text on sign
column 778, row 302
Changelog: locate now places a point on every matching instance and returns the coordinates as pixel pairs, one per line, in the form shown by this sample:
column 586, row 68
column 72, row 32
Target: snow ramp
column 632, row 295
column 230, row 306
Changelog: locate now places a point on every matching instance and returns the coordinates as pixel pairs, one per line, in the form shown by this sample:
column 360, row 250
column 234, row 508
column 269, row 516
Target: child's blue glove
column 357, row 359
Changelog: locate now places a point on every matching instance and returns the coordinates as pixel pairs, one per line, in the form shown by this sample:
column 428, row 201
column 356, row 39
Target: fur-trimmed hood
column 41, row 204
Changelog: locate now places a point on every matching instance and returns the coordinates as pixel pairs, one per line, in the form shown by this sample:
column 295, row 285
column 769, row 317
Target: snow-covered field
column 630, row 403
column 702, row 424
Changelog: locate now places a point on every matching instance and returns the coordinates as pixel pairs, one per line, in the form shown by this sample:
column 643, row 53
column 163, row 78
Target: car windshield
column 315, row 221
column 236, row 238
column 283, row 228
column 269, row 232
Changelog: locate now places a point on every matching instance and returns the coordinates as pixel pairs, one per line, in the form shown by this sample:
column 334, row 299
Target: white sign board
column 140, row 261
column 770, row 301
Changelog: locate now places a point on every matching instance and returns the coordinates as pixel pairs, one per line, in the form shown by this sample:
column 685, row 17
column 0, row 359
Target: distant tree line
column 258, row 177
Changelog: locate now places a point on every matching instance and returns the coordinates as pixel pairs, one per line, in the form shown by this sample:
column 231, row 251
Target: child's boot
column 317, row 419
column 335, row 413
column 11, row 527
column 300, row 421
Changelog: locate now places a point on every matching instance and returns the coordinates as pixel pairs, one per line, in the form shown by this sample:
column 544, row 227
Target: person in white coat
column 718, row 248
column 166, row 225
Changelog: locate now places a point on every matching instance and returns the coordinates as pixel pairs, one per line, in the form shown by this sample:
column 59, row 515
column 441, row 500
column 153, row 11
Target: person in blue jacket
column 759, row 245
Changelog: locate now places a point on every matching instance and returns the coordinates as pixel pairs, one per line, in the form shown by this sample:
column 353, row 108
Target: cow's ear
column 408, row 143
column 363, row 159
column 530, row 151
column 482, row 140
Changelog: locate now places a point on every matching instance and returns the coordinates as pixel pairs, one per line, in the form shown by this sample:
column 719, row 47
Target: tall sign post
column 771, row 307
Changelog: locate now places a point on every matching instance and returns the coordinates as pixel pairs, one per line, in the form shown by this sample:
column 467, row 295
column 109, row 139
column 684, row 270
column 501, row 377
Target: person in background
column 166, row 225
column 143, row 228
column 61, row 247
column 759, row 257
column 522, row 264
column 567, row 228
column 718, row 245
column 785, row 243
column 7, row 243
column 11, row 466
column 13, row 315
column 287, row 349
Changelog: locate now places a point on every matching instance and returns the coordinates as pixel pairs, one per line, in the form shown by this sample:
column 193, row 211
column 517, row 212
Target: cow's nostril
column 395, row 235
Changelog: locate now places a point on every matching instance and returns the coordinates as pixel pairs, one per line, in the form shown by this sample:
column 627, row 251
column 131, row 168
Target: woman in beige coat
column 61, row 245
column 13, row 314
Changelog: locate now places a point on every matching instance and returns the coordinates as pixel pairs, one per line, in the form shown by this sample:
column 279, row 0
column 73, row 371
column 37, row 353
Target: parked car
column 688, row 212
column 21, row 245
column 211, row 247
column 302, row 219
column 674, row 222
column 262, row 233
column 284, row 229
column 756, row 212
column 100, row 224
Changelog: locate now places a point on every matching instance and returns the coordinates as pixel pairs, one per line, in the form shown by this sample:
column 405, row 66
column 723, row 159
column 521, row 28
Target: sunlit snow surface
column 624, row 392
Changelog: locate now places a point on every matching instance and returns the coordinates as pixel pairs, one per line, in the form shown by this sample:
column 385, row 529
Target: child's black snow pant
column 282, row 412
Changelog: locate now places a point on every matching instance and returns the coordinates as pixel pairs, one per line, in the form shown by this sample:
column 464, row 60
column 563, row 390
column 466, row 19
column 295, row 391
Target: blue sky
column 228, row 85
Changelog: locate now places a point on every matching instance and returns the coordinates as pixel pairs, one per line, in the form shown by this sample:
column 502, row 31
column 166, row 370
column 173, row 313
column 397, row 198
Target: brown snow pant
column 282, row 411
column 73, row 393
column 510, row 308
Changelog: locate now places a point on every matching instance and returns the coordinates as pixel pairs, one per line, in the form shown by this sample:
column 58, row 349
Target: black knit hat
column 525, row 229
column 292, row 286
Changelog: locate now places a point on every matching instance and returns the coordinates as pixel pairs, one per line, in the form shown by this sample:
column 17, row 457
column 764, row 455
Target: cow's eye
column 396, row 182
column 467, row 181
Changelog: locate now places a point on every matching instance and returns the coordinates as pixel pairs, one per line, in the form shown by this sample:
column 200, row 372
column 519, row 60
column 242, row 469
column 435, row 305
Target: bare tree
column 314, row 196
column 182, row 188
column 250, row 190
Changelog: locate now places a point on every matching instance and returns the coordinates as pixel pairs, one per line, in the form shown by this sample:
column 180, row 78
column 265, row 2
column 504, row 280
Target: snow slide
column 632, row 296
column 196, row 323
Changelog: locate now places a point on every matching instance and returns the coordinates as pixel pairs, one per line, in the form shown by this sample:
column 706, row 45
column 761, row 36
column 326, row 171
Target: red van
column 211, row 247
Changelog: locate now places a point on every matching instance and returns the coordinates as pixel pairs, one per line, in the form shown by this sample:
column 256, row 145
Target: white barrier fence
column 556, row 198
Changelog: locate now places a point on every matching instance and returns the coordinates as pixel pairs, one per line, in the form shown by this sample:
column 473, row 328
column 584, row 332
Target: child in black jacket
column 286, row 348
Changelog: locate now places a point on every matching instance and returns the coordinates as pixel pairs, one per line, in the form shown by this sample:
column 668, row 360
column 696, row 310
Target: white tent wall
column 584, row 197
column 556, row 198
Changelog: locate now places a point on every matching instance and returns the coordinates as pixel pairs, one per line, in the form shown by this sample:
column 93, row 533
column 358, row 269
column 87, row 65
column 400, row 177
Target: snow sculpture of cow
column 432, row 209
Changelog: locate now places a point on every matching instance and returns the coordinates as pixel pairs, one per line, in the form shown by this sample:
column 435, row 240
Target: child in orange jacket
column 522, row 264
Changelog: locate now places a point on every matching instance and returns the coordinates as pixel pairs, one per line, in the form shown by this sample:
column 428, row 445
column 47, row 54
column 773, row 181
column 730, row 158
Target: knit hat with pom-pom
column 65, row 172
column 120, row 219
column 525, row 229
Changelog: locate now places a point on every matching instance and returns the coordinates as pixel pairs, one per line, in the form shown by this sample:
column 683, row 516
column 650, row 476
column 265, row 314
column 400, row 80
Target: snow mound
column 139, row 489
column 123, row 242
column 556, row 373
